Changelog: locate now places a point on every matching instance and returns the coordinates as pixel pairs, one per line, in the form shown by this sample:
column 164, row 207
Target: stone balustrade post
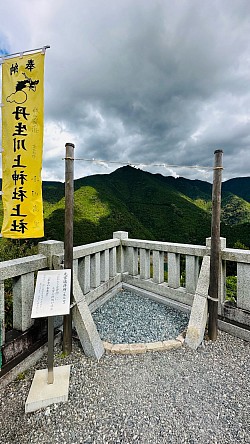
column 132, row 260
column 75, row 267
column 84, row 274
column 192, row 273
column 121, row 266
column 112, row 262
column 50, row 248
column 104, row 266
column 243, row 285
column 158, row 266
column 95, row 275
column 23, row 293
column 144, row 263
column 174, row 270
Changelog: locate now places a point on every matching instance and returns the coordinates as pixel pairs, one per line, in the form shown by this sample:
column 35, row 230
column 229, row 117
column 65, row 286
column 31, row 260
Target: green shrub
column 231, row 288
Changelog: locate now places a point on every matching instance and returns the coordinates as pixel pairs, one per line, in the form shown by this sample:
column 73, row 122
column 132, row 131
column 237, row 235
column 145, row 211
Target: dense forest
column 148, row 206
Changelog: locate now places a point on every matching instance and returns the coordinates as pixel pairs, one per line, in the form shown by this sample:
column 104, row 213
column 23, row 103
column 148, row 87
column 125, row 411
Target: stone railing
column 22, row 272
column 166, row 271
column 239, row 312
column 20, row 275
column 145, row 262
column 96, row 267
column 169, row 270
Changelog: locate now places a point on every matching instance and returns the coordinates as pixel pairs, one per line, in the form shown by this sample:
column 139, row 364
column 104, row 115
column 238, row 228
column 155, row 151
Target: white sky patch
column 171, row 172
column 55, row 137
column 197, row 135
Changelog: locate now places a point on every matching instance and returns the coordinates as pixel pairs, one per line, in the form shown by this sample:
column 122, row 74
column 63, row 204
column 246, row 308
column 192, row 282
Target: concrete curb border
column 132, row 349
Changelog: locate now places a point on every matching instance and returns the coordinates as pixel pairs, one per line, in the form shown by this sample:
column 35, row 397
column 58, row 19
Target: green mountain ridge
column 148, row 206
column 240, row 186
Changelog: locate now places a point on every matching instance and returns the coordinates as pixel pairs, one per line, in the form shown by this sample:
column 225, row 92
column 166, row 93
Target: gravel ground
column 129, row 318
column 178, row 396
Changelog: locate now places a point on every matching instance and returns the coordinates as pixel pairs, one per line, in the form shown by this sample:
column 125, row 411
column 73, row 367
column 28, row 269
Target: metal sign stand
column 51, row 298
column 50, row 349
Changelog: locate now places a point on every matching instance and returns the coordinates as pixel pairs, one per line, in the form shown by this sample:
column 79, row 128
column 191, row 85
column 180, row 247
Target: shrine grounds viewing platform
column 166, row 272
column 180, row 395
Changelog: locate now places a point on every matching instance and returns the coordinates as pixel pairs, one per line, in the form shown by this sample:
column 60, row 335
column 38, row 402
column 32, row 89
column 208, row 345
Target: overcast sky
column 146, row 81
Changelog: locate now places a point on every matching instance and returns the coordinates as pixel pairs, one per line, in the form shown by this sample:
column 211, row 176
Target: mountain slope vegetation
column 148, row 206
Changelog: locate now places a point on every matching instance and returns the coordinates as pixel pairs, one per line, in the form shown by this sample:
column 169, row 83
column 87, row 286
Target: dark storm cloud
column 148, row 81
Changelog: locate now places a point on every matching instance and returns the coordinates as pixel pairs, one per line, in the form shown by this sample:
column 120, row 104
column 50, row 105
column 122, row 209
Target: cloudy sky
column 145, row 81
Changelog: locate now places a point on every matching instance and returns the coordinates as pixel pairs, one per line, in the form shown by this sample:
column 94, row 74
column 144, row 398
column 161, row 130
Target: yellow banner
column 22, row 143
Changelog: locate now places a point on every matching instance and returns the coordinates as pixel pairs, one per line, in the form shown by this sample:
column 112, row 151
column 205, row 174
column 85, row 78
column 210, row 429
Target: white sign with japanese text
column 52, row 293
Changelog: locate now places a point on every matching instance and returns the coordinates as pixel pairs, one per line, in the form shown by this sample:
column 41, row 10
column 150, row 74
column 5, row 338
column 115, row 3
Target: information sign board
column 52, row 293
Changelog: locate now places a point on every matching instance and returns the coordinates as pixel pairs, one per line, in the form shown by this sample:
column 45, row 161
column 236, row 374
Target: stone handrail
column 187, row 249
column 236, row 255
column 97, row 247
column 17, row 267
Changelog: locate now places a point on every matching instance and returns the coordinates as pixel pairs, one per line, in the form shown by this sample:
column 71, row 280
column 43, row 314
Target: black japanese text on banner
column 22, row 143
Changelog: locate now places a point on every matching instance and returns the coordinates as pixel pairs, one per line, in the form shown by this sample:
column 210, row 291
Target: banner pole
column 6, row 56
column 68, row 239
column 215, row 248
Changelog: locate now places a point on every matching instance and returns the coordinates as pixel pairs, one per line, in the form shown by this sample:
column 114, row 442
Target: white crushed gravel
column 177, row 396
column 130, row 318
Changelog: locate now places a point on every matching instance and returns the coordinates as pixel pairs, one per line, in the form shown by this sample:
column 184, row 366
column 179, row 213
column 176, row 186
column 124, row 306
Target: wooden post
column 215, row 248
column 68, row 239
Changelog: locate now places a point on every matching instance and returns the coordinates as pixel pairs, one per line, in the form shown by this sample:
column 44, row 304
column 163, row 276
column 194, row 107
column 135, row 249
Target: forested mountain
column 148, row 206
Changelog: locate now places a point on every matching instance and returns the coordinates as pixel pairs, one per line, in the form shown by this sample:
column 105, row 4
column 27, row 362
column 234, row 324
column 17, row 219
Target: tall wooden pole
column 215, row 255
column 68, row 239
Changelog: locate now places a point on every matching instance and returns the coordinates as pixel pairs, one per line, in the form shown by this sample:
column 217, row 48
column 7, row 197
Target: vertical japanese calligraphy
column 22, row 143
column 52, row 293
